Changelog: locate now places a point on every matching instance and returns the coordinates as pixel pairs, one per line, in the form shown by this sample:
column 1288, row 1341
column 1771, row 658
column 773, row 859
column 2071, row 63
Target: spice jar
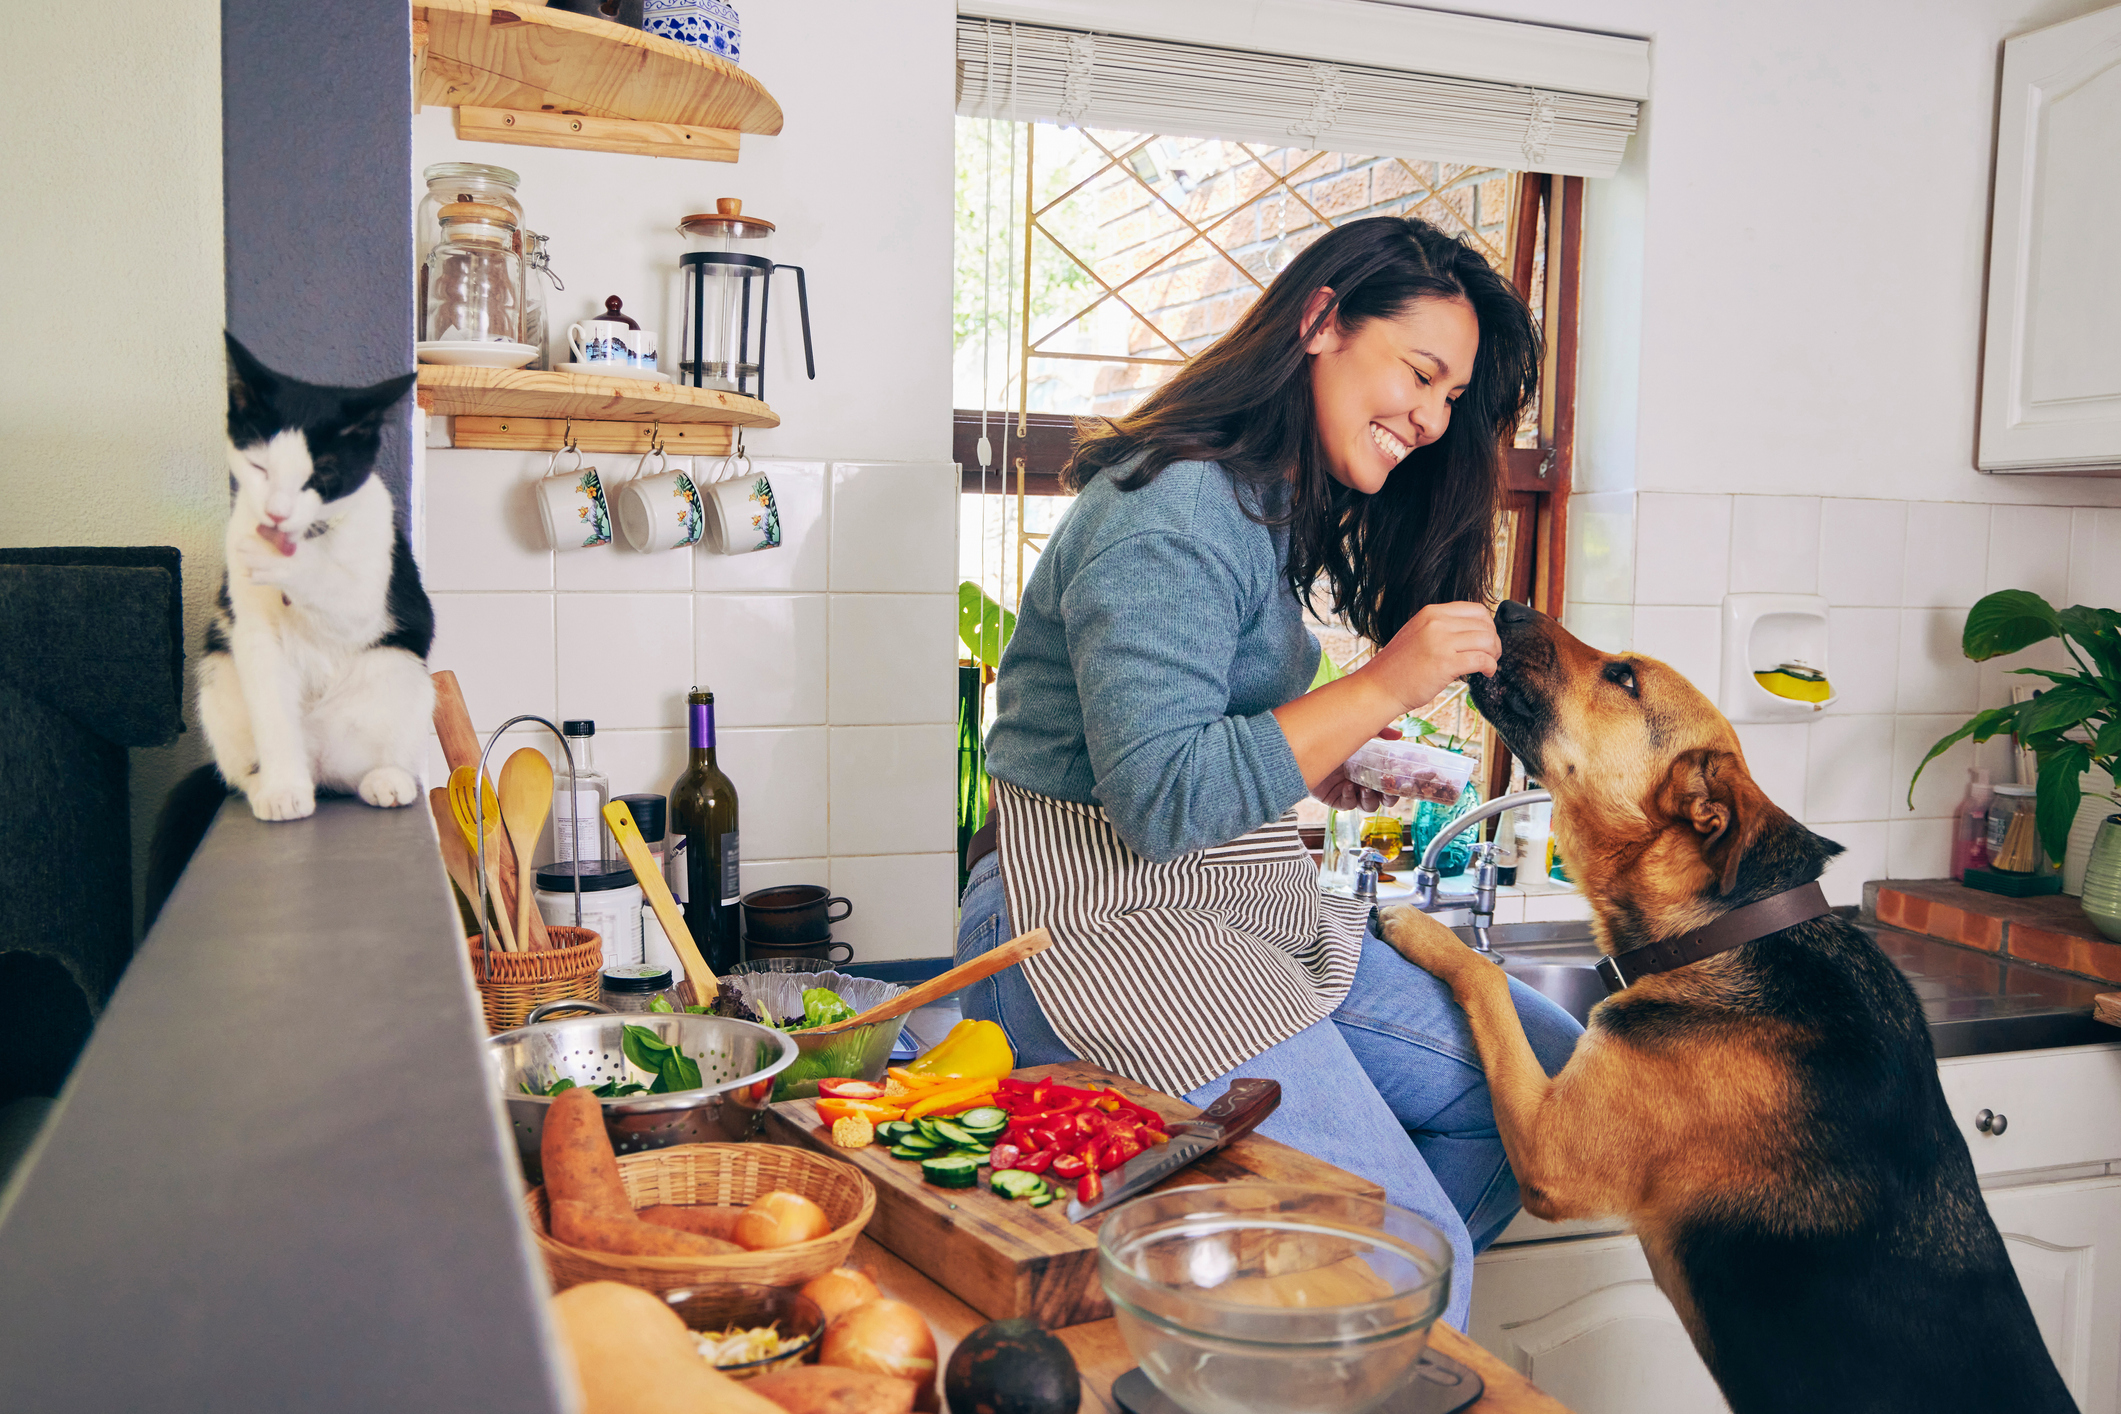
column 636, row 988
column 2014, row 832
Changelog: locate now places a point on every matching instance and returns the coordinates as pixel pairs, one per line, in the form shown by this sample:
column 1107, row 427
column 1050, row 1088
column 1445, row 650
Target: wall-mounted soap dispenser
column 1774, row 658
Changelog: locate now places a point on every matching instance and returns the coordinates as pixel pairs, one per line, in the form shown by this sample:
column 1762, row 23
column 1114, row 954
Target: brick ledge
column 2052, row 931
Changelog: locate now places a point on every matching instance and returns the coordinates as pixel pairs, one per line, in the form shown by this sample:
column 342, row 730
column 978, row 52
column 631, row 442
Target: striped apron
column 1173, row 974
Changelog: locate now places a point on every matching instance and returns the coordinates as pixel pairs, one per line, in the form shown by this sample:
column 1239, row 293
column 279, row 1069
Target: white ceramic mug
column 600, row 341
column 660, row 510
column 572, row 505
column 741, row 515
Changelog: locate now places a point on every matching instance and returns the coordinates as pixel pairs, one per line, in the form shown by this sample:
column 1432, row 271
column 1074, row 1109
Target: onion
column 841, row 1290
column 780, row 1219
column 884, row 1337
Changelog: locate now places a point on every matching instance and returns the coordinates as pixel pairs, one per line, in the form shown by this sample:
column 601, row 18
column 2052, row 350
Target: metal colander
column 738, row 1062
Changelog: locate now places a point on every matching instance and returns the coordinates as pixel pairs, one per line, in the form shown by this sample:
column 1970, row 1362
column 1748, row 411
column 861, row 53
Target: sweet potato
column 826, row 1389
column 633, row 1355
column 706, row 1219
column 579, row 1225
column 576, row 1153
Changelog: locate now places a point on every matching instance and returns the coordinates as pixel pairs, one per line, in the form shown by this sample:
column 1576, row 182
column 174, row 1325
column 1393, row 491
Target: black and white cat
column 315, row 672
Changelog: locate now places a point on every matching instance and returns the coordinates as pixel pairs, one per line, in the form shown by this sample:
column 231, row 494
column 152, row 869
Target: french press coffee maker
column 726, row 274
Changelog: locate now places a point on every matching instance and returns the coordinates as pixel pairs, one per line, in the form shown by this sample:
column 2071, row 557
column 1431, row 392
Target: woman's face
column 1386, row 387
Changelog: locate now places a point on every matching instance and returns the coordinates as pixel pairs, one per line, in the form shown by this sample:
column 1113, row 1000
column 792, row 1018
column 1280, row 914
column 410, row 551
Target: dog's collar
column 1736, row 928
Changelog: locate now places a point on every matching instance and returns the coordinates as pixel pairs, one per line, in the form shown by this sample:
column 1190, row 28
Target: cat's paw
column 387, row 786
column 262, row 563
column 281, row 797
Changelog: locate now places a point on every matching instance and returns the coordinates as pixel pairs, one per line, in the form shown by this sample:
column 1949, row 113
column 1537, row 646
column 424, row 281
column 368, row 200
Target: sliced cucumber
column 952, row 1133
column 985, row 1117
column 928, row 1129
column 1041, row 1198
column 1015, row 1183
column 951, row 1171
column 899, row 1151
column 890, row 1131
column 920, row 1141
column 974, row 1151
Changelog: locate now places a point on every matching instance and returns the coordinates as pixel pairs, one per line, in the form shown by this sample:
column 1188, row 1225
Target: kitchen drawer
column 2061, row 1106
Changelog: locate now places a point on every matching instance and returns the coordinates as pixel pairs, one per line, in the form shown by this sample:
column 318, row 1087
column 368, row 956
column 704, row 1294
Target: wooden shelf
column 521, row 73
column 516, row 409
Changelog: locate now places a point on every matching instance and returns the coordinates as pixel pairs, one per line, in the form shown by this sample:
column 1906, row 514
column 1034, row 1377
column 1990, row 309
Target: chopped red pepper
column 1093, row 1156
column 1090, row 1189
column 1069, row 1166
column 1005, row 1156
column 1036, row 1163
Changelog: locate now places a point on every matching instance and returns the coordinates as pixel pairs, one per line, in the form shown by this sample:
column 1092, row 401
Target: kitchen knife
column 1235, row 1113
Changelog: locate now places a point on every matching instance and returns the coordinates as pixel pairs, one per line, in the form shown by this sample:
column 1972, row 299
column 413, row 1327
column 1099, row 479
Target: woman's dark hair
column 1428, row 535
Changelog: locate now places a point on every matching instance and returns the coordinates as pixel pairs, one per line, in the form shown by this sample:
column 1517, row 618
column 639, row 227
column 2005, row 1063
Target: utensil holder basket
column 730, row 1175
column 512, row 983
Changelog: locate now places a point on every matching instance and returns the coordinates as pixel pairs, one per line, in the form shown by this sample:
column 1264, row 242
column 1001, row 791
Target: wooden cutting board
column 1006, row 1258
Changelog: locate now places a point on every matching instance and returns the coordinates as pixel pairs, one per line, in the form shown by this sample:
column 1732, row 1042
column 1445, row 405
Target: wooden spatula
column 667, row 912
column 994, row 960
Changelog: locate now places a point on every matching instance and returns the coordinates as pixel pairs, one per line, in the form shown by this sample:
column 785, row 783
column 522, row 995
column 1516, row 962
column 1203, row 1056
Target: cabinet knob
column 1989, row 1122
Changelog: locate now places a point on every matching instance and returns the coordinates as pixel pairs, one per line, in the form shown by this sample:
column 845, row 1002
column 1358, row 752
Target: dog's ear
column 1709, row 792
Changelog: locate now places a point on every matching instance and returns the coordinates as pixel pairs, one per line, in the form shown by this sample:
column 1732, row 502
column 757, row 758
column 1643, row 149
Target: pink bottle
column 1970, row 824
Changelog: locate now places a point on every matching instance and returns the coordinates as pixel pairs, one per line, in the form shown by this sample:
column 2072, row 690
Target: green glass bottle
column 703, row 833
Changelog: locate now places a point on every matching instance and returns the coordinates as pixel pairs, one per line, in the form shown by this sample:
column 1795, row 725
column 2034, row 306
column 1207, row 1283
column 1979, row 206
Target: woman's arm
column 1326, row 725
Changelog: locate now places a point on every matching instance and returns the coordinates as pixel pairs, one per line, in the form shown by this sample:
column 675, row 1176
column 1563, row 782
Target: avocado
column 1012, row 1367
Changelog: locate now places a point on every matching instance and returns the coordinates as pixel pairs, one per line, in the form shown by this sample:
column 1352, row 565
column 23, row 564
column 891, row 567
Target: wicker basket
column 732, row 1175
column 511, row 983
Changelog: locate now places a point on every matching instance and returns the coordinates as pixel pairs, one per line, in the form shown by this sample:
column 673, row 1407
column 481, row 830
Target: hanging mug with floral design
column 572, row 505
column 660, row 510
column 741, row 513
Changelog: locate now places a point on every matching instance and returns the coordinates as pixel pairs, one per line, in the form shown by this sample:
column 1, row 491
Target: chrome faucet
column 1485, row 873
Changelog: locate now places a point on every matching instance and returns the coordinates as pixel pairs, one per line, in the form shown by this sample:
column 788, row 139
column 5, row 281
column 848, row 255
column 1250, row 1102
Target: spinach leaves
column 673, row 1069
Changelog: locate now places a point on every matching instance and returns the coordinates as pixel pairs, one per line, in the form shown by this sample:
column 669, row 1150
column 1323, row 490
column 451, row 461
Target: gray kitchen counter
column 279, row 1178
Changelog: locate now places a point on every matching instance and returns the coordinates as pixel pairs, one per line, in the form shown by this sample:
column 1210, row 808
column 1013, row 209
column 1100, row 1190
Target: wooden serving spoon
column 455, row 858
column 988, row 963
column 467, row 807
column 526, row 798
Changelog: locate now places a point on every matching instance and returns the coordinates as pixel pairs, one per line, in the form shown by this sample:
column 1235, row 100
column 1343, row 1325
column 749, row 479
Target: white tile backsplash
column 1774, row 545
column 1849, row 770
column 1682, row 548
column 1943, row 781
column 1947, row 555
column 1601, row 566
column 1610, row 628
column 2095, row 558
column 894, row 527
column 1861, row 549
column 1918, row 849
column 1687, row 639
column 1935, row 673
column 893, row 659
column 1863, row 659
column 800, row 561
column 905, row 904
column 483, row 531
column 625, row 659
column 500, row 646
column 2028, row 548
column 893, row 789
column 780, row 775
column 764, row 655
column 1775, row 756
column 639, row 761
column 1862, row 858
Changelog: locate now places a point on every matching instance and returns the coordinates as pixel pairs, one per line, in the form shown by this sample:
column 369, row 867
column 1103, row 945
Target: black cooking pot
column 791, row 915
column 826, row 954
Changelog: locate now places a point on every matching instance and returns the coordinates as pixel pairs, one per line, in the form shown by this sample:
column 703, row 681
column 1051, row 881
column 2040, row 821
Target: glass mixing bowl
column 1265, row 1298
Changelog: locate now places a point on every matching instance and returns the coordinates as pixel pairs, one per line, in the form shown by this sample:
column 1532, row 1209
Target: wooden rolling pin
column 460, row 747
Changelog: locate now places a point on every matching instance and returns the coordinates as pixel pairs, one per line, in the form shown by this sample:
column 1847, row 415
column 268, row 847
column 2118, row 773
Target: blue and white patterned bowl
column 711, row 25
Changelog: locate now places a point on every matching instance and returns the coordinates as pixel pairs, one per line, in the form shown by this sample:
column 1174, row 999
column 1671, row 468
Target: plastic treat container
column 1411, row 771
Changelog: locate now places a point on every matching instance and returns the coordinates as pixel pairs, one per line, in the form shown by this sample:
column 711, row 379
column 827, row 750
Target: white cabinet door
column 2065, row 1241
column 1585, row 1322
column 2051, row 368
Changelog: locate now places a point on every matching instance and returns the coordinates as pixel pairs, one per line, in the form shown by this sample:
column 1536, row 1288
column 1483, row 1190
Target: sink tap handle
column 1368, row 865
column 1425, row 883
column 1485, row 875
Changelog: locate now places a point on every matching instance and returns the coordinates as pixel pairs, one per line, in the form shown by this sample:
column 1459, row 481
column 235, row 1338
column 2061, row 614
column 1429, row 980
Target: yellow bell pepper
column 972, row 1050
column 953, row 1099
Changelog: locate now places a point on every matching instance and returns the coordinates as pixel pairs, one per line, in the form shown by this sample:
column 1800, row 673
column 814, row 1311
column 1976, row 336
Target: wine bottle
column 703, row 853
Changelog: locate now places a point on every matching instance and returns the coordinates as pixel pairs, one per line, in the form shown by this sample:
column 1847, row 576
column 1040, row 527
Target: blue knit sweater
column 1154, row 640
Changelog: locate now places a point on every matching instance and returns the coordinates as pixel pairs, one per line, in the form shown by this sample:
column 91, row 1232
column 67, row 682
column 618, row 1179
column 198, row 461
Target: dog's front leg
column 1562, row 1150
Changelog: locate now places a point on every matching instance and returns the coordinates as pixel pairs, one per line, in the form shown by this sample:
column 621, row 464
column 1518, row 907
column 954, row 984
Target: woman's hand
column 1341, row 793
column 1439, row 645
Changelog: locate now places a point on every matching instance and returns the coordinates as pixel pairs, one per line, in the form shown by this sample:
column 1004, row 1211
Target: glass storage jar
column 636, row 988
column 449, row 182
column 2014, row 832
column 475, row 277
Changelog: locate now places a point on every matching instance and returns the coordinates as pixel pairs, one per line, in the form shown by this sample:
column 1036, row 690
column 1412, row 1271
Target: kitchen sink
column 1976, row 1003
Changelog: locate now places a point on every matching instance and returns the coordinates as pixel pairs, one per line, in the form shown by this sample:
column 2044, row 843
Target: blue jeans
column 1389, row 1087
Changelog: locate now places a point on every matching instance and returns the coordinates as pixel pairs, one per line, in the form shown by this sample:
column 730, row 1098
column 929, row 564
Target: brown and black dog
column 1769, row 1119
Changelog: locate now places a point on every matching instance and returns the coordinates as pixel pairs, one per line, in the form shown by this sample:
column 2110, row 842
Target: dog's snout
column 1512, row 612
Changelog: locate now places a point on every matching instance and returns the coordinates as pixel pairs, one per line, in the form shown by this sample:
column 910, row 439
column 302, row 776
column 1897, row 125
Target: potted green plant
column 2072, row 725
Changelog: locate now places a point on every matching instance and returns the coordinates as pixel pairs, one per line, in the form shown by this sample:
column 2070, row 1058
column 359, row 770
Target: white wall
column 833, row 657
column 1782, row 316
column 111, row 373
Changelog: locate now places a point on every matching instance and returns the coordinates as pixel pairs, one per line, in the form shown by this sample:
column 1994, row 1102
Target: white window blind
column 1007, row 69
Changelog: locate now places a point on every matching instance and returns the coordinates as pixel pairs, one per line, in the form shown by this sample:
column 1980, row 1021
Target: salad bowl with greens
column 797, row 1002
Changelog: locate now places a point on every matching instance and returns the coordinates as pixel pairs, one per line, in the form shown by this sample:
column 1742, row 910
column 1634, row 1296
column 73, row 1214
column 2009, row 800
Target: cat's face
column 295, row 447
